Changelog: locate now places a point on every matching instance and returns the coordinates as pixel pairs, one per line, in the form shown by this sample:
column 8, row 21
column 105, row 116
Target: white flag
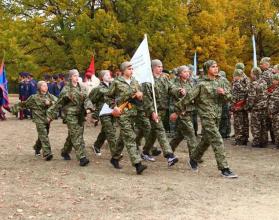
column 142, row 63
column 106, row 110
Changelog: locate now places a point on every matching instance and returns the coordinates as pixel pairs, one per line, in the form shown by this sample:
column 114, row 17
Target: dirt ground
column 31, row 188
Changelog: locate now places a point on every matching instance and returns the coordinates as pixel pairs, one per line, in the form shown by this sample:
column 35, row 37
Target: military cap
column 240, row 66
column 156, row 62
column 182, row 68
column 276, row 67
column 237, row 72
column 223, row 74
column 125, row 65
column 256, row 71
column 72, row 72
column 265, row 60
column 208, row 64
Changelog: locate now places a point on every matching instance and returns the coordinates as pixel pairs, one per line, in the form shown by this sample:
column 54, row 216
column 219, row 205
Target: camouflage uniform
column 122, row 91
column 163, row 89
column 267, row 77
column 257, row 103
column 240, row 115
column 39, row 103
column 108, row 130
column 225, row 122
column 209, row 105
column 184, row 125
column 273, row 110
column 73, row 101
column 143, row 125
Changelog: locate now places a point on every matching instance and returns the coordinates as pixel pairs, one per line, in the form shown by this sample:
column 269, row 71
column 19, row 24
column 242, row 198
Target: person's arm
column 61, row 101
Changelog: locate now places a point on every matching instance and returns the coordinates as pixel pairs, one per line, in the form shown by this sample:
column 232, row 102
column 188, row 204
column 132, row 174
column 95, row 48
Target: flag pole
column 254, row 51
column 195, row 65
column 153, row 90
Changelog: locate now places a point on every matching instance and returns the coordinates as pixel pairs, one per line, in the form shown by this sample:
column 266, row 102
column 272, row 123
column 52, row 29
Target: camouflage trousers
column 158, row 131
column 241, row 126
column 43, row 140
column 258, row 127
column 108, row 132
column 275, row 128
column 128, row 137
column 195, row 121
column 75, row 137
column 269, row 126
column 225, row 122
column 211, row 136
column 184, row 129
column 143, row 127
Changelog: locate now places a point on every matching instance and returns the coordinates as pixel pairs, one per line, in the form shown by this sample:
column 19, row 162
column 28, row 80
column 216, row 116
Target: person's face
column 44, row 88
column 275, row 82
column 213, row 70
column 107, row 77
column 185, row 74
column 265, row 66
column 74, row 78
column 237, row 78
column 128, row 71
column 252, row 75
column 157, row 70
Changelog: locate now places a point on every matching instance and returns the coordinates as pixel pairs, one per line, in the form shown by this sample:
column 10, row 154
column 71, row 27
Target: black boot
column 66, row 156
column 48, row 157
column 140, row 168
column 83, row 161
column 115, row 163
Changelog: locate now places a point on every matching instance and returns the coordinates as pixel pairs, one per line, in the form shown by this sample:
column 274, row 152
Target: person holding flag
column 4, row 99
column 163, row 89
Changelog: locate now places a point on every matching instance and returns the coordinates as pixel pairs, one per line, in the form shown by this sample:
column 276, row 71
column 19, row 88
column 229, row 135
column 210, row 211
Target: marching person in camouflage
column 209, row 95
column 39, row 103
column 75, row 104
column 108, row 130
column 266, row 75
column 257, row 104
column 125, row 90
column 273, row 107
column 184, row 125
column 225, row 122
column 240, row 115
column 163, row 89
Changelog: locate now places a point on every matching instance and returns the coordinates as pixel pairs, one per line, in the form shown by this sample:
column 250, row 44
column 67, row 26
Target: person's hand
column 173, row 117
column 116, row 112
column 138, row 95
column 182, row 91
column 220, row 91
column 49, row 120
column 47, row 102
column 155, row 117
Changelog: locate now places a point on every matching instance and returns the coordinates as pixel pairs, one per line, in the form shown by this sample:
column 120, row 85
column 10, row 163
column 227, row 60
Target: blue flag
column 4, row 85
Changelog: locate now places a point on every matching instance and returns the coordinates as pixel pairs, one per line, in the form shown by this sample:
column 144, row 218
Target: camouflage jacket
column 239, row 91
column 97, row 97
column 72, row 100
column 163, row 88
column 273, row 102
column 207, row 101
column 257, row 95
column 267, row 77
column 121, row 91
column 38, row 103
column 188, row 86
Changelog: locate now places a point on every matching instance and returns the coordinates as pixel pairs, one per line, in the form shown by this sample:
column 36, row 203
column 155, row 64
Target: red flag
column 91, row 69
